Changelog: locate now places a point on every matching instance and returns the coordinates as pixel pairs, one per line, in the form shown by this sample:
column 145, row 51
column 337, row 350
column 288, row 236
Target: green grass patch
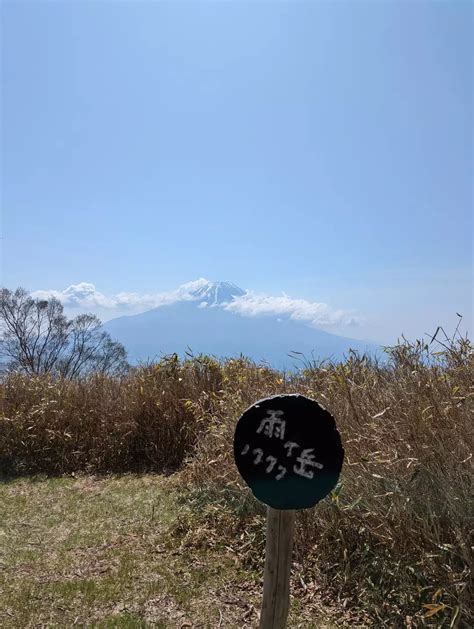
column 120, row 551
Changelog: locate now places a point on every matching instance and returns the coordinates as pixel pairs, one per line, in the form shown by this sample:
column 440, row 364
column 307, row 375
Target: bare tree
column 36, row 337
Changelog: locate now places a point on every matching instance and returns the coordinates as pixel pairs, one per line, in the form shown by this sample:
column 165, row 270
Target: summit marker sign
column 289, row 452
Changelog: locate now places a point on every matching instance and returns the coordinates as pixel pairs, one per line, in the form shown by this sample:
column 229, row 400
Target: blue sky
column 323, row 150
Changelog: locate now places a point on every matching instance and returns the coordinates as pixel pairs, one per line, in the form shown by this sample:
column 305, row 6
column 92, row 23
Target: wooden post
column 276, row 580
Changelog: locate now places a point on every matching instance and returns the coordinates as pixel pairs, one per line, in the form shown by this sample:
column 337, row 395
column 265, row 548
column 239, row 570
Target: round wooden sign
column 288, row 450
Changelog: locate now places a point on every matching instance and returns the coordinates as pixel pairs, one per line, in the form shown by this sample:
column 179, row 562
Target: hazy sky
column 320, row 149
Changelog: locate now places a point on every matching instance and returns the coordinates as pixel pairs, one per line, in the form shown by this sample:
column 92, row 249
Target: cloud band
column 85, row 296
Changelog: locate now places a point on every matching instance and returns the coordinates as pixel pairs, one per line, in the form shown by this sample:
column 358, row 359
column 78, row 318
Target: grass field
column 112, row 552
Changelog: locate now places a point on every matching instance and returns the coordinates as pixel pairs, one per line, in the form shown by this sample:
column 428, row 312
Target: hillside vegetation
column 392, row 543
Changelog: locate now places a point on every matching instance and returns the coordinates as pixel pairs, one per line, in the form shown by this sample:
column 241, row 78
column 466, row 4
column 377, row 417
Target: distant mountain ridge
column 202, row 321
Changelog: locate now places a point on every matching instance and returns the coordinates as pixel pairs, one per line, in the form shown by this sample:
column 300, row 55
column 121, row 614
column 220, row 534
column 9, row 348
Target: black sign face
column 288, row 450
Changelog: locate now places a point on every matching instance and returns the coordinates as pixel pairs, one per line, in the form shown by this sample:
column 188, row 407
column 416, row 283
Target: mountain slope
column 202, row 324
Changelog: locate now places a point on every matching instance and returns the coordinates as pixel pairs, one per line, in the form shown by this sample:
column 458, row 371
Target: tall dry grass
column 394, row 539
column 140, row 422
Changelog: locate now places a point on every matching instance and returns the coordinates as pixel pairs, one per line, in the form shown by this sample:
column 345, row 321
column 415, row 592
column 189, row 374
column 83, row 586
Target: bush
column 143, row 421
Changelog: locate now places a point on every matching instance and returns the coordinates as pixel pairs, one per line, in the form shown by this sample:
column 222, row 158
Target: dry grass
column 392, row 543
column 102, row 552
column 395, row 538
column 140, row 422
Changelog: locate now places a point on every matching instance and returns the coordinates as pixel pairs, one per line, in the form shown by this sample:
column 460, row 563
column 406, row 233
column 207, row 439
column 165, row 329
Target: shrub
column 143, row 421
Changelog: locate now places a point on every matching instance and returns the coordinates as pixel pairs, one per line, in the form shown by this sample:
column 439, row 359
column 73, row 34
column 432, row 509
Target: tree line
column 37, row 337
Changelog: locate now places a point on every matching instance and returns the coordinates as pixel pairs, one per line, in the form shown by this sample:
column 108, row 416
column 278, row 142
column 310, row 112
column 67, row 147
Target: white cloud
column 317, row 314
column 85, row 296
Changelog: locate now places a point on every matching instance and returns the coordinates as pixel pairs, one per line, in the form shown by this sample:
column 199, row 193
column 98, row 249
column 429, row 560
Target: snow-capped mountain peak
column 215, row 293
